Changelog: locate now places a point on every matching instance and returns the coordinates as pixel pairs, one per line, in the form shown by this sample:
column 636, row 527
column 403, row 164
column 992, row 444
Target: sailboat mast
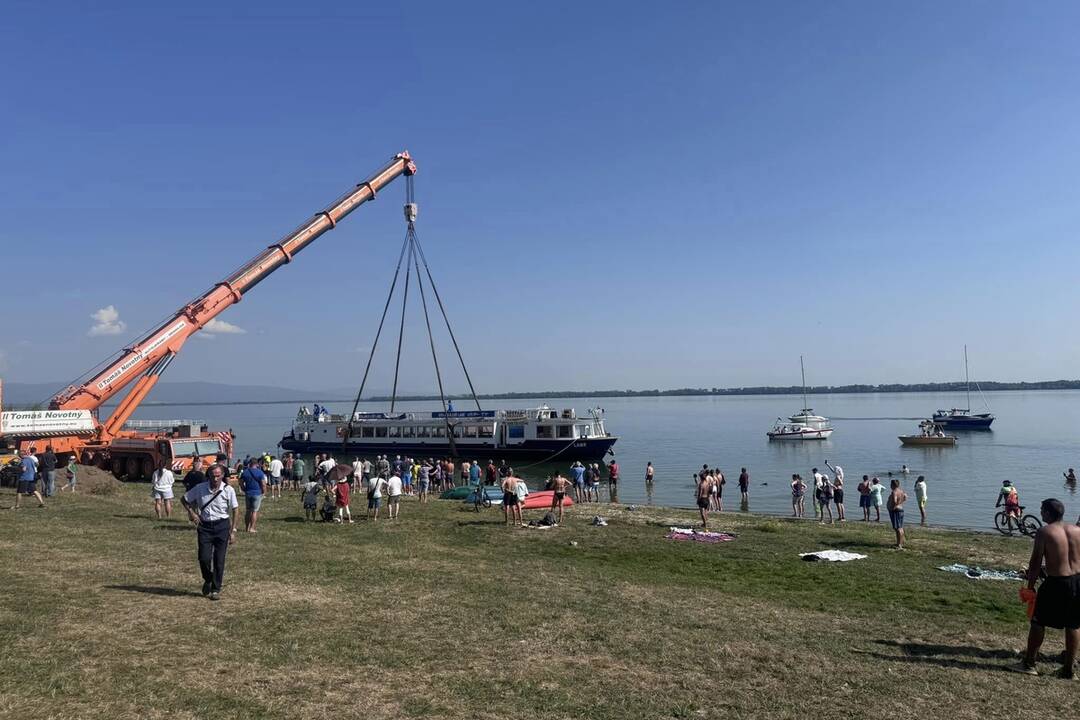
column 802, row 369
column 967, row 380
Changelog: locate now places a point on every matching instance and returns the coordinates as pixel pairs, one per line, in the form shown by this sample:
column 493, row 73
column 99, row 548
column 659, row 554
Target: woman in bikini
column 798, row 495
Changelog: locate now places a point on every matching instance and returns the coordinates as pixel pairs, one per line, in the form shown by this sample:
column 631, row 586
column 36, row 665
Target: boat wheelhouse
column 534, row 434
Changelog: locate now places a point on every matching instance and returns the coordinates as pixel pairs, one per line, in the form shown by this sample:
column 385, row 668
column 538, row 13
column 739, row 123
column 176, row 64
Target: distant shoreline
column 682, row 392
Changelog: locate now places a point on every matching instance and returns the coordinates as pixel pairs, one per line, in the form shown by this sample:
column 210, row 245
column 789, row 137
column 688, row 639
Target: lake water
column 1034, row 439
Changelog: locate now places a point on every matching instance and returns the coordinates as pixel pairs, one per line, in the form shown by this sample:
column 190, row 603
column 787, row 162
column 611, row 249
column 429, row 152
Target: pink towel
column 702, row 537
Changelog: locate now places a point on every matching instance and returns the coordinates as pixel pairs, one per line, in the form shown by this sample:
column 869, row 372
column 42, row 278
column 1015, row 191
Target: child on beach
column 310, row 497
column 920, row 497
column 798, row 496
column 329, row 509
column 341, row 499
column 72, row 469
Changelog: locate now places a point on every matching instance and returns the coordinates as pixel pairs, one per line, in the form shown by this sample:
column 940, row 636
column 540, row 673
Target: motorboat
column 810, row 427
column 803, row 425
column 931, row 434
column 963, row 418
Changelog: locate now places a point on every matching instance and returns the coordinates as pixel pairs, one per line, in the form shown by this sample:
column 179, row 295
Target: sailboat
column 963, row 419
column 803, row 425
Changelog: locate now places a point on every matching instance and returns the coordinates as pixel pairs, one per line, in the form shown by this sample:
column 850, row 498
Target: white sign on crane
column 46, row 422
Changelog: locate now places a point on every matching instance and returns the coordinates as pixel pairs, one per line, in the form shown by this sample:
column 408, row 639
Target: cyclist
column 1011, row 498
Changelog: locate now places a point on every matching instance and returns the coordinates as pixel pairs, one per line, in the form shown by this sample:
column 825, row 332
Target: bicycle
column 1026, row 524
column 481, row 500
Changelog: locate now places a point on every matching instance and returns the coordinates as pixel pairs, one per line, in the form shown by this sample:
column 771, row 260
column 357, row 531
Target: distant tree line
column 762, row 390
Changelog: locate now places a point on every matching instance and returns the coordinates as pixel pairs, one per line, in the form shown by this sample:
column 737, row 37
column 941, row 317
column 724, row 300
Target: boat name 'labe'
column 138, row 357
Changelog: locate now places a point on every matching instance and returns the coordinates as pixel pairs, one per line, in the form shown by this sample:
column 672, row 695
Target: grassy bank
column 449, row 614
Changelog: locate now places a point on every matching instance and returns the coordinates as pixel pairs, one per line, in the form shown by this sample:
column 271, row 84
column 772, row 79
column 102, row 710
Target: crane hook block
column 411, row 210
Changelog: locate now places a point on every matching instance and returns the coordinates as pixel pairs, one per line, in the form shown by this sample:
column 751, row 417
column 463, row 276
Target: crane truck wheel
column 146, row 465
column 131, row 466
column 86, row 458
column 118, row 467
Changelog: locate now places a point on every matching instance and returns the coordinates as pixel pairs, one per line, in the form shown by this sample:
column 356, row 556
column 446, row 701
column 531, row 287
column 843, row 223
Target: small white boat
column 930, row 434
column 803, row 425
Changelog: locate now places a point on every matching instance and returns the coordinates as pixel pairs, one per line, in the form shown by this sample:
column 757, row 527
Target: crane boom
column 166, row 339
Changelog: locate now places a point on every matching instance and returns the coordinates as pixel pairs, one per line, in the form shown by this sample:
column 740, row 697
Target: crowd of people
column 37, row 473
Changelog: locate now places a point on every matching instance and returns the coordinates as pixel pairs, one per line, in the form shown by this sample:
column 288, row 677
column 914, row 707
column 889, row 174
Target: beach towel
column 831, row 556
column 978, row 573
column 701, row 536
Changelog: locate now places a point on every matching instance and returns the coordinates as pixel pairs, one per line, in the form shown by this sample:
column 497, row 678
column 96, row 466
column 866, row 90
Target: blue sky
column 628, row 195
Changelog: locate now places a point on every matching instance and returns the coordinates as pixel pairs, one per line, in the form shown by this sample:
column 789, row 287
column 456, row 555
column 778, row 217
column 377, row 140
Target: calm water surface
column 1033, row 441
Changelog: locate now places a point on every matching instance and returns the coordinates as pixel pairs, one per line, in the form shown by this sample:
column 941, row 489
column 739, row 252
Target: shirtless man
column 897, row 498
column 703, row 494
column 511, row 509
column 561, row 486
column 1057, row 604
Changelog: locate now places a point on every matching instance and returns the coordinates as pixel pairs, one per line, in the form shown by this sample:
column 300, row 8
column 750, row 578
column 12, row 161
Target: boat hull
column 921, row 441
column 542, row 499
column 593, row 448
column 964, row 422
column 808, row 434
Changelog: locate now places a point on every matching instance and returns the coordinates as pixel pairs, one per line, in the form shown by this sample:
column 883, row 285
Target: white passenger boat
column 534, row 434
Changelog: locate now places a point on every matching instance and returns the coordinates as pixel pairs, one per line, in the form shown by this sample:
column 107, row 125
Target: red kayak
column 543, row 498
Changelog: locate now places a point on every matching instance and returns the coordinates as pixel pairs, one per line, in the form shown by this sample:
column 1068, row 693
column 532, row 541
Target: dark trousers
column 213, row 543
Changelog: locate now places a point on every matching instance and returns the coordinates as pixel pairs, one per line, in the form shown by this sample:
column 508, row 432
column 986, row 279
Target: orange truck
column 71, row 425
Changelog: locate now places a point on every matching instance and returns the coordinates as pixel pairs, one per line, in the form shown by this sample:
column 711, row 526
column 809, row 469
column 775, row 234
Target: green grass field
column 447, row 613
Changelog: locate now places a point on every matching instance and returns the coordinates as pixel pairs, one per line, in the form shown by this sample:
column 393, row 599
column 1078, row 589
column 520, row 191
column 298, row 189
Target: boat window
column 545, row 431
column 583, row 431
column 423, row 431
column 457, row 431
column 394, row 431
column 471, row 431
column 367, row 431
column 487, row 431
column 408, row 431
column 380, row 432
column 564, row 431
column 516, row 431
column 438, row 431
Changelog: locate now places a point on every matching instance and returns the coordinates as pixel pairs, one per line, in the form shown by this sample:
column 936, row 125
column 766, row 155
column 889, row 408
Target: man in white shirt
column 374, row 496
column 324, row 471
column 357, row 473
column 211, row 507
column 275, row 468
column 161, row 484
column 393, row 496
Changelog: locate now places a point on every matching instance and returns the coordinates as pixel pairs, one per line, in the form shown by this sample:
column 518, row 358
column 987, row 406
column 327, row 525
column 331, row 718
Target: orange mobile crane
column 135, row 454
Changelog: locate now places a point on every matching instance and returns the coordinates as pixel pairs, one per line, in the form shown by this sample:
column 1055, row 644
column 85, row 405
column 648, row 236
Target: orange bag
column 1027, row 595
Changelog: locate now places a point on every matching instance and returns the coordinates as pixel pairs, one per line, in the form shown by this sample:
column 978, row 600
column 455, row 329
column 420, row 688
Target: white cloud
column 107, row 322
column 220, row 327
